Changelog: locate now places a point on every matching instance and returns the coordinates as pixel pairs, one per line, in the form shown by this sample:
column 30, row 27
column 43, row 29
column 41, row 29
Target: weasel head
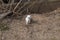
column 28, row 15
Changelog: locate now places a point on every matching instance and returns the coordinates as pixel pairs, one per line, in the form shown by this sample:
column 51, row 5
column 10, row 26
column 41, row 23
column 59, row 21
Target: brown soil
column 44, row 26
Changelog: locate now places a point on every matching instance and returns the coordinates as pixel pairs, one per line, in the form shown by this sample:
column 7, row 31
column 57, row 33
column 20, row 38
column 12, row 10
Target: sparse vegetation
column 45, row 23
column 3, row 27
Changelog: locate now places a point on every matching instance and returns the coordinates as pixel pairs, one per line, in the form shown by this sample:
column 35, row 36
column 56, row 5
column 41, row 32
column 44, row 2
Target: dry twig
column 17, row 5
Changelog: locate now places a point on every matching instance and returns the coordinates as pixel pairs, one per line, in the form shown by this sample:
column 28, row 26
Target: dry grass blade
column 12, row 2
column 2, row 2
column 22, row 11
column 17, row 5
column 32, row 4
column 9, row 1
column 23, row 6
column 28, row 7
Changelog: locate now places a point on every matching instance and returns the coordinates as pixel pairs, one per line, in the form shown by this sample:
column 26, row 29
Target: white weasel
column 28, row 19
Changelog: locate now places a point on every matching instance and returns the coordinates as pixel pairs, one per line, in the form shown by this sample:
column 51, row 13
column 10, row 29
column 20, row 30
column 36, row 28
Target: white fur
column 28, row 19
